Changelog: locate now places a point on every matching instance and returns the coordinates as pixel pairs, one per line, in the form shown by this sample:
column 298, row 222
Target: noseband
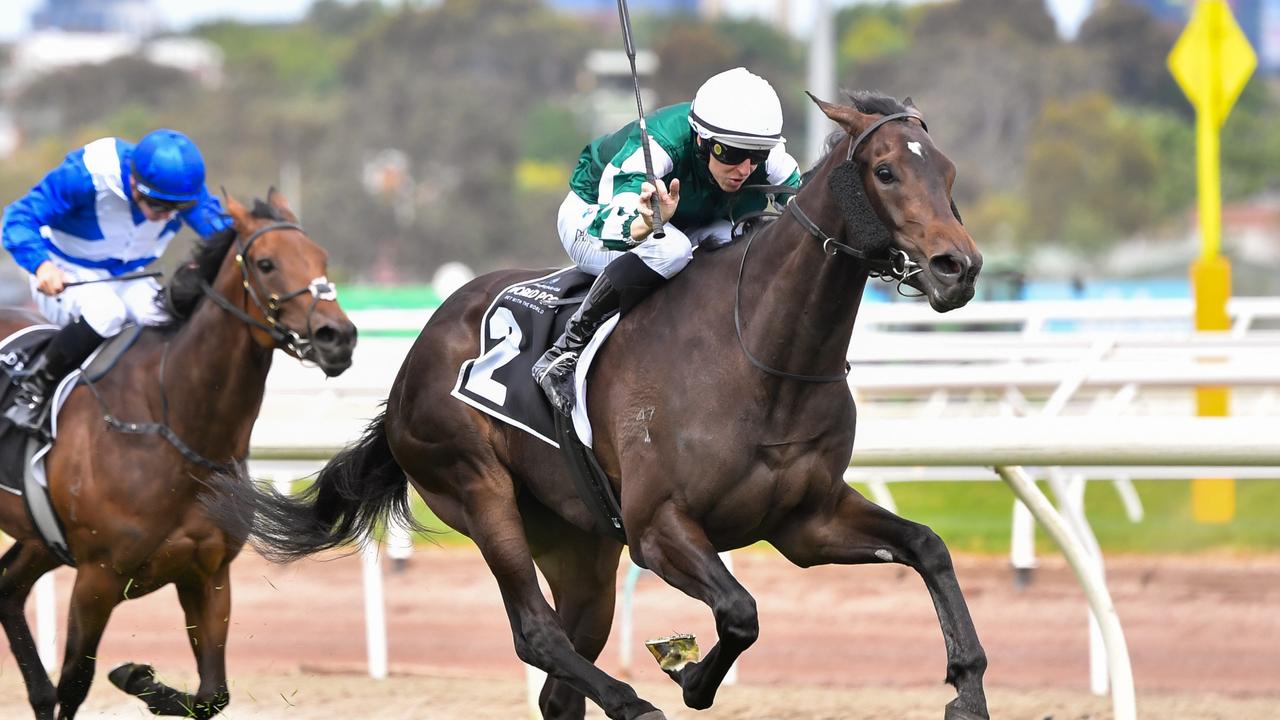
column 283, row 336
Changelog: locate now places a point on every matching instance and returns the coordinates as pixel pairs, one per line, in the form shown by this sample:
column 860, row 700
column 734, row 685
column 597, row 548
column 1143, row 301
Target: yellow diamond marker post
column 1211, row 61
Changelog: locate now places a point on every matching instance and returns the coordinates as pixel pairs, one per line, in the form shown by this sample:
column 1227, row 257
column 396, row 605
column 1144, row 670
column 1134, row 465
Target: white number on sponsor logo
column 503, row 327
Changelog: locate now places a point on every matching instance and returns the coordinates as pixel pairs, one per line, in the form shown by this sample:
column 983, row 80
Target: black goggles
column 730, row 155
column 165, row 206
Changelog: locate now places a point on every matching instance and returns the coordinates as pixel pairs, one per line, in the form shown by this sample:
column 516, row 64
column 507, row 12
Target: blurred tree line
column 428, row 134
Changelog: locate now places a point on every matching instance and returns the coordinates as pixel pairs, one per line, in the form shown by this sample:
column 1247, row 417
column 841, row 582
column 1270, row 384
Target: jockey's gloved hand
column 668, row 201
column 49, row 278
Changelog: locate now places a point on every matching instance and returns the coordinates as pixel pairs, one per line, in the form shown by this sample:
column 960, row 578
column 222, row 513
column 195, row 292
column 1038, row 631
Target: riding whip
column 118, row 278
column 625, row 17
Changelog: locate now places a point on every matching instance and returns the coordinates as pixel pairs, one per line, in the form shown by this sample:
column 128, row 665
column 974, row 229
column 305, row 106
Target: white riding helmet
column 738, row 108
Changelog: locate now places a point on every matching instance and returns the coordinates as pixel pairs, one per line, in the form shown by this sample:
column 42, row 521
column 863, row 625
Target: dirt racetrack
column 849, row 643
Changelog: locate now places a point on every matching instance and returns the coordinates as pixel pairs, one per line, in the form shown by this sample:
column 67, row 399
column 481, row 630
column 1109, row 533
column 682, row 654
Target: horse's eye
column 266, row 265
column 884, row 174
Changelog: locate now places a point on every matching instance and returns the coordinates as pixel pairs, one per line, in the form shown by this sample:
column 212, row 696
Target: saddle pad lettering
column 521, row 323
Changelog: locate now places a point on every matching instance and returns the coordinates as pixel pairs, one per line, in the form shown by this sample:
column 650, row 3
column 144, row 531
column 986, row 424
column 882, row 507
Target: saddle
column 21, row 454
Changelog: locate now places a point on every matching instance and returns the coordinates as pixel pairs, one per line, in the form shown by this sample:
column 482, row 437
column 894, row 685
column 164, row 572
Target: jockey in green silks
column 704, row 153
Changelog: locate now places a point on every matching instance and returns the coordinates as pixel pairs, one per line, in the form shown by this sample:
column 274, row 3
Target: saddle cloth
column 22, row 455
column 16, row 352
column 520, row 324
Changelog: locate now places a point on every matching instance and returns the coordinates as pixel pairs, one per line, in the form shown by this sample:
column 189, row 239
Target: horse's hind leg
column 493, row 521
column 96, row 593
column 207, row 606
column 853, row 530
column 20, row 567
column 676, row 549
column 582, row 570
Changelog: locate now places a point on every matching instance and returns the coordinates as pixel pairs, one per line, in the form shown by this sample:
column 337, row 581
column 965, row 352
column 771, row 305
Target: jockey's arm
column 618, row 223
column 207, row 217
column 65, row 188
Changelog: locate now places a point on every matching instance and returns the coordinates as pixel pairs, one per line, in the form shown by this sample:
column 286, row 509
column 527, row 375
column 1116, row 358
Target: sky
column 184, row 13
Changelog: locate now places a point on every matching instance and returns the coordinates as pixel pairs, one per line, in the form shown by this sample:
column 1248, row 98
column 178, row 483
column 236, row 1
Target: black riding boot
column 624, row 282
column 64, row 353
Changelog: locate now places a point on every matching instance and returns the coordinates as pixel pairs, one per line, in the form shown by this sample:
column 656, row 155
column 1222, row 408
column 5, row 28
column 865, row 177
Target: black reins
column 283, row 336
column 896, row 267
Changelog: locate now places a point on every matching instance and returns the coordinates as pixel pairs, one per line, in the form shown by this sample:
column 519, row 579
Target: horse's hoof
column 957, row 713
column 132, row 678
column 653, row 715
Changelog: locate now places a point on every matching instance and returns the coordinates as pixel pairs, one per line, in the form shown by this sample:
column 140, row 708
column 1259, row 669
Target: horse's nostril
column 325, row 335
column 946, row 265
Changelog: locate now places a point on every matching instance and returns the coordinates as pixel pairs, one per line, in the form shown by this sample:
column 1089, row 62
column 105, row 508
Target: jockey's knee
column 667, row 255
column 106, row 318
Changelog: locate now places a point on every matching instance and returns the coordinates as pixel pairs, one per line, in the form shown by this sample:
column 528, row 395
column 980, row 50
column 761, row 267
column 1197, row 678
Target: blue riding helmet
column 168, row 166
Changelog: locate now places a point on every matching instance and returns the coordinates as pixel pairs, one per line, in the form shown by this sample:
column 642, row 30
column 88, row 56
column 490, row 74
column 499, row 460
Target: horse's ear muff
column 864, row 229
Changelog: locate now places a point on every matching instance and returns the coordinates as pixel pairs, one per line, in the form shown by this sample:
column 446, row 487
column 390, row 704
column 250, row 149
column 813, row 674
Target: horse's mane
column 871, row 102
column 184, row 292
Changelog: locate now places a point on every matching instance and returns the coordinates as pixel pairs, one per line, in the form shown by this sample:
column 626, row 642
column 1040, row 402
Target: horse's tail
column 360, row 490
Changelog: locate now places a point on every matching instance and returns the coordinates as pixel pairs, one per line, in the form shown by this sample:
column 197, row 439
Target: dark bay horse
column 129, row 502
column 706, row 450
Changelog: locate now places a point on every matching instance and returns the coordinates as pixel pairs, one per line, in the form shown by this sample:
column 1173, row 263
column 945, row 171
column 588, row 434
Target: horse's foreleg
column 207, row 606
column 96, row 593
column 494, row 523
column 581, row 570
column 20, row 567
column 676, row 549
column 853, row 530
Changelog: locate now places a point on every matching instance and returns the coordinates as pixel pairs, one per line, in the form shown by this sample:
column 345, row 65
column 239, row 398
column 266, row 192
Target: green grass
column 973, row 517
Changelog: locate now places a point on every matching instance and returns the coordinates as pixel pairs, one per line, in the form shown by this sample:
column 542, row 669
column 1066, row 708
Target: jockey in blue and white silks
column 110, row 208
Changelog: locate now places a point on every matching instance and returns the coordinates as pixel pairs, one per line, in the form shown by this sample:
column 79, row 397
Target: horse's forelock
column 873, row 102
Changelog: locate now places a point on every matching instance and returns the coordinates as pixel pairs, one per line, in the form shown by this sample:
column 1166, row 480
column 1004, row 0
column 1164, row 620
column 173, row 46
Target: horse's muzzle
column 950, row 278
column 332, row 344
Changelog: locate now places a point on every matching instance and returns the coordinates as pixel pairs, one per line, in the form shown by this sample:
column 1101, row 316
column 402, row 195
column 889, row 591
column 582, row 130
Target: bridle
column 281, row 335
column 896, row 267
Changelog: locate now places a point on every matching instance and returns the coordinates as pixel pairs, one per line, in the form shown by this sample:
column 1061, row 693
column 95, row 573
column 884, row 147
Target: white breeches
column 104, row 306
column 666, row 256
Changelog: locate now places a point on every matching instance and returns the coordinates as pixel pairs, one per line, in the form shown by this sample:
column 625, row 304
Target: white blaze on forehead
column 914, row 147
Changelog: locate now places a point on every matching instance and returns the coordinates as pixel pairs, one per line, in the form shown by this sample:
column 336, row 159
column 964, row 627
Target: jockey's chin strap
column 283, row 336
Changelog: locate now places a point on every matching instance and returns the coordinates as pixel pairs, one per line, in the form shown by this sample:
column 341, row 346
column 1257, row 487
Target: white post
column 47, row 621
column 375, row 614
column 881, row 496
column 730, row 677
column 627, row 622
column 822, row 78
column 398, row 543
column 282, row 482
column 1095, row 589
column 534, row 679
column 1022, row 545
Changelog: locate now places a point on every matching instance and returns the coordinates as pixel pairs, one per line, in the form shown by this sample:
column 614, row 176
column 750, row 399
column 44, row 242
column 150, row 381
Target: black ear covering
column 865, row 230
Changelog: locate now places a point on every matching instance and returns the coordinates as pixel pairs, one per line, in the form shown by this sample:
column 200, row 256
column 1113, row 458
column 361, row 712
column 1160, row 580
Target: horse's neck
column 215, row 377
column 807, row 301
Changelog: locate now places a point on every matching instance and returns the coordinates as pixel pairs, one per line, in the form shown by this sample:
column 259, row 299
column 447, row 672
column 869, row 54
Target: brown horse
column 128, row 501
column 709, row 443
